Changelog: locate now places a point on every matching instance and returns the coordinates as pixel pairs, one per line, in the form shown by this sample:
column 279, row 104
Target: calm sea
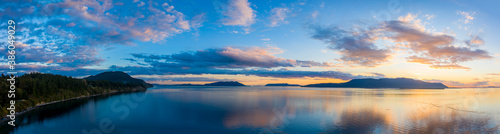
column 271, row 110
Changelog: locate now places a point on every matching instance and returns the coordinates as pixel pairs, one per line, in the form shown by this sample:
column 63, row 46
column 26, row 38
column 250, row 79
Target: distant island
column 220, row 83
column 280, row 84
column 39, row 89
column 400, row 83
column 225, row 83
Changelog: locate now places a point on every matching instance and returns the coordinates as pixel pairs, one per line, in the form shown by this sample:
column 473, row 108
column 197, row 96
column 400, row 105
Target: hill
column 401, row 83
column 117, row 76
column 225, row 83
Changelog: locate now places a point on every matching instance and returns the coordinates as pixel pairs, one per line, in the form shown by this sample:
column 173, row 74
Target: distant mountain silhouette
column 401, row 83
column 220, row 83
column 225, row 83
column 118, row 76
column 280, row 84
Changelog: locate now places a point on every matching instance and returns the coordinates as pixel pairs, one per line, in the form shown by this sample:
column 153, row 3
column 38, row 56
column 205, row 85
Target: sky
column 258, row 42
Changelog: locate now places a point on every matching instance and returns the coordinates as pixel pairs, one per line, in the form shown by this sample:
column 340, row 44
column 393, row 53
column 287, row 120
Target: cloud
column 475, row 41
column 427, row 16
column 278, row 16
column 360, row 46
column 70, row 24
column 227, row 57
column 438, row 50
column 379, row 75
column 420, row 60
column 315, row 14
column 494, row 74
column 265, row 39
column 412, row 20
column 152, row 23
column 69, row 34
column 65, row 56
column 451, row 66
column 467, row 17
column 237, row 13
column 356, row 47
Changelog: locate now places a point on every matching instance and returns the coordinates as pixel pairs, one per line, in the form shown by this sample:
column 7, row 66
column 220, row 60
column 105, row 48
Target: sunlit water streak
column 274, row 110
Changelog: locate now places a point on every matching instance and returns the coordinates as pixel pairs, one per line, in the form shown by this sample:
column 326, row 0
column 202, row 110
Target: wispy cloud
column 467, row 17
column 475, row 41
column 461, row 84
column 278, row 16
column 315, row 14
column 237, row 13
column 428, row 16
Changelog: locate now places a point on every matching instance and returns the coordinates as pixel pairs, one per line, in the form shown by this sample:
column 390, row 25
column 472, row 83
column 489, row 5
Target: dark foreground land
column 37, row 89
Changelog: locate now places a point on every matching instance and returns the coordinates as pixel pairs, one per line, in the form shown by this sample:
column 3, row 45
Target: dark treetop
column 401, row 83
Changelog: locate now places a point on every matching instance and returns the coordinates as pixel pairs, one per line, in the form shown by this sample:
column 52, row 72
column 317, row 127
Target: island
column 400, row 83
column 225, row 83
column 280, row 85
column 219, row 83
column 40, row 89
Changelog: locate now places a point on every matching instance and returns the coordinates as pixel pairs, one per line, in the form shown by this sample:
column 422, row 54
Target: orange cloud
column 437, row 50
column 448, row 67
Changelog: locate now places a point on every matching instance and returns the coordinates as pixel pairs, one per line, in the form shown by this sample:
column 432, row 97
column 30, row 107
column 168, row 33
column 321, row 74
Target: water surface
column 272, row 110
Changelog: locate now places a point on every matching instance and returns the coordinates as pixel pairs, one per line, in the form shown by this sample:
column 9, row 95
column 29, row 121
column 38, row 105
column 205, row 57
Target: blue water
column 272, row 110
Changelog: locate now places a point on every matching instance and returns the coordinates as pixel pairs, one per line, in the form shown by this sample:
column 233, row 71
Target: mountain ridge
column 280, row 84
column 400, row 83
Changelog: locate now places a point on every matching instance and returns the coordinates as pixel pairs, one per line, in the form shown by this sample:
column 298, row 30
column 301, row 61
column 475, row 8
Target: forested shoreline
column 34, row 89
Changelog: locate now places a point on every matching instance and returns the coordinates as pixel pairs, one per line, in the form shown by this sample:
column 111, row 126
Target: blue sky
column 259, row 42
